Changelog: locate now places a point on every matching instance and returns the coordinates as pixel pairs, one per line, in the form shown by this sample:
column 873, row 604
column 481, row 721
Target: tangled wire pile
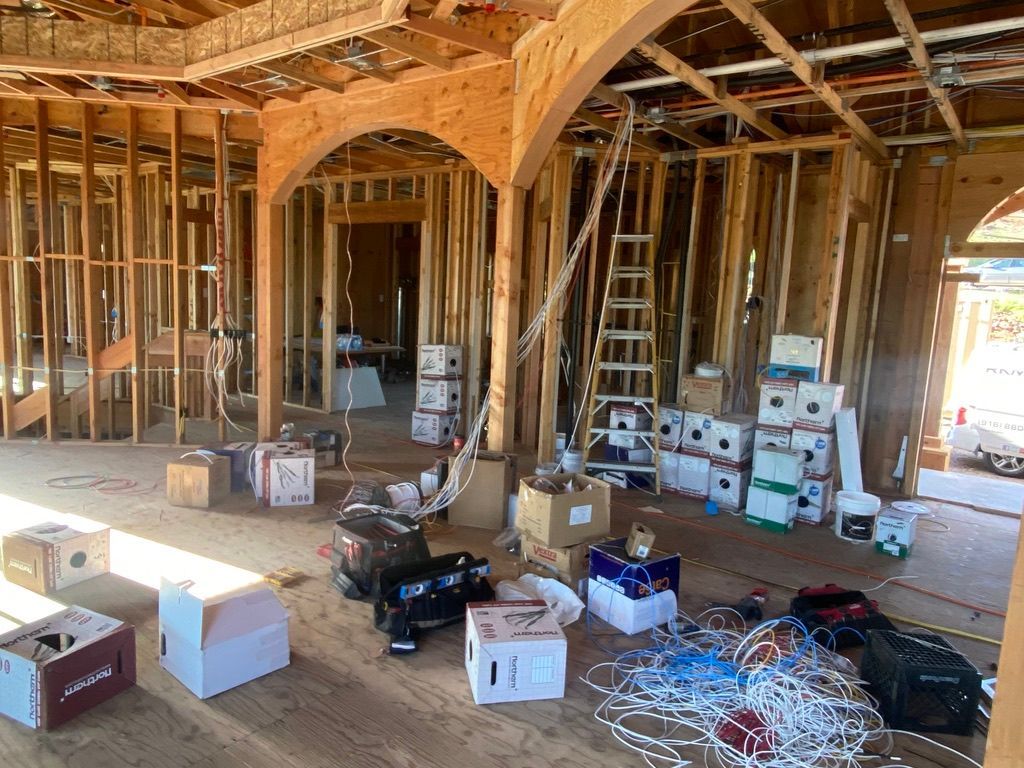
column 770, row 698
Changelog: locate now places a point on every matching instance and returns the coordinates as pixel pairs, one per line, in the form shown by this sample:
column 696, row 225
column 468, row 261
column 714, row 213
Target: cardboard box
column 562, row 559
column 57, row 667
column 515, row 651
column 289, row 478
column 484, row 490
column 438, row 395
column 777, row 405
column 818, row 404
column 705, row 394
column 731, row 438
column 818, row 449
column 696, row 432
column 630, row 616
column 432, row 428
column 212, row 639
column 198, row 481
column 772, row 437
column 668, row 469
column 693, row 475
column 796, row 351
column 634, row 417
column 670, row 426
column 574, row 580
column 440, row 360
column 728, row 484
column 239, row 454
column 895, row 531
column 51, row 556
column 256, row 460
column 564, row 519
column 640, row 541
column 329, row 445
column 770, row 510
column 779, row 470
column 611, row 566
column 814, row 503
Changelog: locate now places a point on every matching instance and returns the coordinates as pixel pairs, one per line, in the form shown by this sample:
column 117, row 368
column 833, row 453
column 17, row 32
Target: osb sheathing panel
column 198, row 43
column 121, row 42
column 157, row 45
column 290, row 15
column 339, row 8
column 257, row 24
column 218, row 36
column 40, row 37
column 232, row 32
column 76, row 40
column 13, row 36
column 318, row 10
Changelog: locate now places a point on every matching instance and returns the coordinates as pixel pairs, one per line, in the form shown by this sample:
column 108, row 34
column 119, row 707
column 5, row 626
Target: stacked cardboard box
column 438, row 393
column 731, row 448
column 629, row 594
column 814, row 435
column 796, row 357
column 776, row 477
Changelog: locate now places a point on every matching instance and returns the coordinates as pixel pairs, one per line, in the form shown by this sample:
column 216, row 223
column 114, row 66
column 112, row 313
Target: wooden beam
column 269, row 319
column 378, row 212
column 704, row 86
column 176, row 92
column 303, row 76
column 54, row 82
column 774, row 40
column 238, row 95
column 540, row 9
column 829, row 288
column 174, row 11
column 373, row 72
column 8, row 303
column 616, row 99
column 444, row 9
column 134, row 250
column 458, row 35
column 923, row 61
column 609, row 127
column 408, row 47
column 508, row 268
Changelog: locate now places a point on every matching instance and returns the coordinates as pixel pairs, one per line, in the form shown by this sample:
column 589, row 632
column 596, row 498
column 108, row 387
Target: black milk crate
column 922, row 682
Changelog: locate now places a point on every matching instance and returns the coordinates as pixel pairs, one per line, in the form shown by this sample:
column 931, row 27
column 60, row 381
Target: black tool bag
column 836, row 617
column 427, row 595
column 364, row 546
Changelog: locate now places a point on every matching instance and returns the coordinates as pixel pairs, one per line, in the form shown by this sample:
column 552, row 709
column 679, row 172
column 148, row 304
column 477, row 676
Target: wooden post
column 270, row 320
column 830, row 283
column 508, row 267
column 433, row 197
column 7, row 302
column 787, row 248
column 289, row 293
column 330, row 299
column 43, row 225
column 133, row 249
column 689, row 273
column 307, row 292
column 178, row 293
column 1005, row 743
column 20, row 249
column 92, row 274
column 538, row 245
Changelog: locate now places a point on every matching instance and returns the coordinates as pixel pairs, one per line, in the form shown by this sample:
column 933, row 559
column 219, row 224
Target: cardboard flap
column 76, row 626
column 203, row 615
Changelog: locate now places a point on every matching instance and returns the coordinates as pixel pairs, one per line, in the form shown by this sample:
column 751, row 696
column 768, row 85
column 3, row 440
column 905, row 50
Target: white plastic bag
column 562, row 601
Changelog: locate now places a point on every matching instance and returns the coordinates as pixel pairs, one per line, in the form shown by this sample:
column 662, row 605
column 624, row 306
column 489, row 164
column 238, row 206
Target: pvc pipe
column 816, row 56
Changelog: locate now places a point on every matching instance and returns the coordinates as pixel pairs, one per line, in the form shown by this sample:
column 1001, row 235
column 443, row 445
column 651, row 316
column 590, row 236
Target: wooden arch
column 984, row 184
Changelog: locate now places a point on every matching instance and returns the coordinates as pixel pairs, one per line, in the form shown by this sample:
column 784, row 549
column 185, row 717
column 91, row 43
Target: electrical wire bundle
column 770, row 698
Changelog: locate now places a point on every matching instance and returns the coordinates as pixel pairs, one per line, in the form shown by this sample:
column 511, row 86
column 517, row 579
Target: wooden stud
column 330, row 301
column 7, row 304
column 307, row 295
column 785, row 267
column 50, row 329
column 269, row 320
column 136, row 295
column 92, row 274
column 23, row 321
column 179, row 296
column 830, row 280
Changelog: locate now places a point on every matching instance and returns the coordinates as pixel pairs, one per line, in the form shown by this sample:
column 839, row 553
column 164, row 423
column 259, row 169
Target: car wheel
column 1004, row 464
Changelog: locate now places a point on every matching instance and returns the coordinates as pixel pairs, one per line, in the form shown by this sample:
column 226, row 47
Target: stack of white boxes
column 814, row 434
column 730, row 442
column 438, row 393
column 775, row 486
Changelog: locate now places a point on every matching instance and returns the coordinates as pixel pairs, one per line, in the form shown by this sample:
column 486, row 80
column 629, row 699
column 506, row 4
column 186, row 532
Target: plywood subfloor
column 341, row 703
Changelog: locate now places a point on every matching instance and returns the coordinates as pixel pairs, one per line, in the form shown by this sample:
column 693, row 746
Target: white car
column 991, row 420
column 998, row 271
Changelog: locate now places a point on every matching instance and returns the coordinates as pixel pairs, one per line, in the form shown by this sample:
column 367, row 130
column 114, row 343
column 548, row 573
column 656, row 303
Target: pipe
column 817, row 56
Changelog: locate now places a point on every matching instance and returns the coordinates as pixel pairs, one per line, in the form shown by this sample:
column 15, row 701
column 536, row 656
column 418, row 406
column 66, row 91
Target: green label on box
column 890, row 548
column 774, row 487
column 770, row 525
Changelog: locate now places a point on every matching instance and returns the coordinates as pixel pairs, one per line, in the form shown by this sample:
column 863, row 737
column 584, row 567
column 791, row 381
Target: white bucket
column 404, row 497
column 855, row 515
column 572, row 461
column 546, row 469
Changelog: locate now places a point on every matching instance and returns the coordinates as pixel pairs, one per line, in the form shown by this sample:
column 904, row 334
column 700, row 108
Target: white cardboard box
column 668, row 468
column 728, row 485
column 772, row 437
column 289, row 478
column 440, row 360
column 692, row 475
column 777, row 404
column 814, row 502
column 732, row 438
column 438, row 395
column 818, row 449
column 256, row 462
column 696, row 431
column 515, row 651
column 817, row 404
column 213, row 639
column 432, row 428
column 778, row 469
column 894, row 532
column 800, row 351
column 670, row 426
column 629, row 615
column 771, row 511
column 624, row 416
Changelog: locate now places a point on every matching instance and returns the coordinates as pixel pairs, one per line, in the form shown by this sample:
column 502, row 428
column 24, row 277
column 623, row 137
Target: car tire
column 1004, row 464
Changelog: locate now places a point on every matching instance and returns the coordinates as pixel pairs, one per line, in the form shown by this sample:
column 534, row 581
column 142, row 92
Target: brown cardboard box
column 640, row 541
column 50, row 556
column 485, row 487
column 57, row 667
column 564, row 519
column 562, row 559
column 705, row 394
column 198, row 481
column 575, row 580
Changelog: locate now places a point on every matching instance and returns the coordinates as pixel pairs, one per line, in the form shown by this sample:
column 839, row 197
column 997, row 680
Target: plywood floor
column 341, row 703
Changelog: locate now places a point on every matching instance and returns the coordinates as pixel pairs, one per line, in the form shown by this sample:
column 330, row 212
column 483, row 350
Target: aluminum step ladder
column 625, row 370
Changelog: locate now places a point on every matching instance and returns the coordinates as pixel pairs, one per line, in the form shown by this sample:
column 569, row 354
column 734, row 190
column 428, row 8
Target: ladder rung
column 622, row 466
column 628, row 304
column 615, row 335
column 637, row 367
column 623, row 399
column 609, row 432
column 631, row 273
column 633, row 238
